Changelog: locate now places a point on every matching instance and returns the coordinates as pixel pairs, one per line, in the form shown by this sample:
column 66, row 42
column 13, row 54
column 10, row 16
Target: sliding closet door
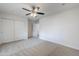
column 12, row 30
column 20, row 30
column 7, row 30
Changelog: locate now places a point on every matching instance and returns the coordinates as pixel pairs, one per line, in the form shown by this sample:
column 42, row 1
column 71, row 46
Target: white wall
column 62, row 28
column 12, row 30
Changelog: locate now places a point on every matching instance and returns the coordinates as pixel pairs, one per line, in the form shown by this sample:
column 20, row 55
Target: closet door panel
column 8, row 30
column 20, row 30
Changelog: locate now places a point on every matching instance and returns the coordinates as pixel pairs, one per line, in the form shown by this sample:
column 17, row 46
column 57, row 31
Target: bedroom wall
column 61, row 28
column 13, row 29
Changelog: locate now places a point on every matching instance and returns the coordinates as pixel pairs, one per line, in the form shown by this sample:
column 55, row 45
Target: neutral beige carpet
column 36, row 47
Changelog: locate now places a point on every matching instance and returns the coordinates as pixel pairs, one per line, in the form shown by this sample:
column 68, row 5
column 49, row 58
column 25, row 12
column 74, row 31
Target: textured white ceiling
column 48, row 8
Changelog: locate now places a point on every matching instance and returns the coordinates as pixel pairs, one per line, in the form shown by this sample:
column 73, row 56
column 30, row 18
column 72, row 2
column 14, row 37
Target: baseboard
column 48, row 39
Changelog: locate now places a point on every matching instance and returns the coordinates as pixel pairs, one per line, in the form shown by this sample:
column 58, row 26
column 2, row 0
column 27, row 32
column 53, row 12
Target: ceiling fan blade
column 26, row 9
column 28, row 14
column 40, row 13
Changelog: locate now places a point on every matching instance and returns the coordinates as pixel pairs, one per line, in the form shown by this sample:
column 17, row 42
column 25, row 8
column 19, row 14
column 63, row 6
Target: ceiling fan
column 34, row 12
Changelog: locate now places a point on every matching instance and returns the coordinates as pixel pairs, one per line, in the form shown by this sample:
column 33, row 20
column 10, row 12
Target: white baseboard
column 60, row 43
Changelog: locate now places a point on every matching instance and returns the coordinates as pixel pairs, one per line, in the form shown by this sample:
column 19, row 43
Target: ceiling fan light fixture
column 36, row 9
column 33, row 14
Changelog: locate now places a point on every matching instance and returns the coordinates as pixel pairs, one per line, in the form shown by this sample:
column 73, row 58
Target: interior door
column 36, row 28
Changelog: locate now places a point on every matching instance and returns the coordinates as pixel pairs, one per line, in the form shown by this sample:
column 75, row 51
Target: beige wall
column 30, row 28
column 62, row 28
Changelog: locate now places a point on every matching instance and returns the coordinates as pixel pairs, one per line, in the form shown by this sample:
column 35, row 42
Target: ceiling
column 48, row 8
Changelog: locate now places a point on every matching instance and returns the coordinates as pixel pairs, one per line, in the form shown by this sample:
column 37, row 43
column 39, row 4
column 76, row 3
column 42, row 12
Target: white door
column 7, row 30
column 20, row 30
column 36, row 29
